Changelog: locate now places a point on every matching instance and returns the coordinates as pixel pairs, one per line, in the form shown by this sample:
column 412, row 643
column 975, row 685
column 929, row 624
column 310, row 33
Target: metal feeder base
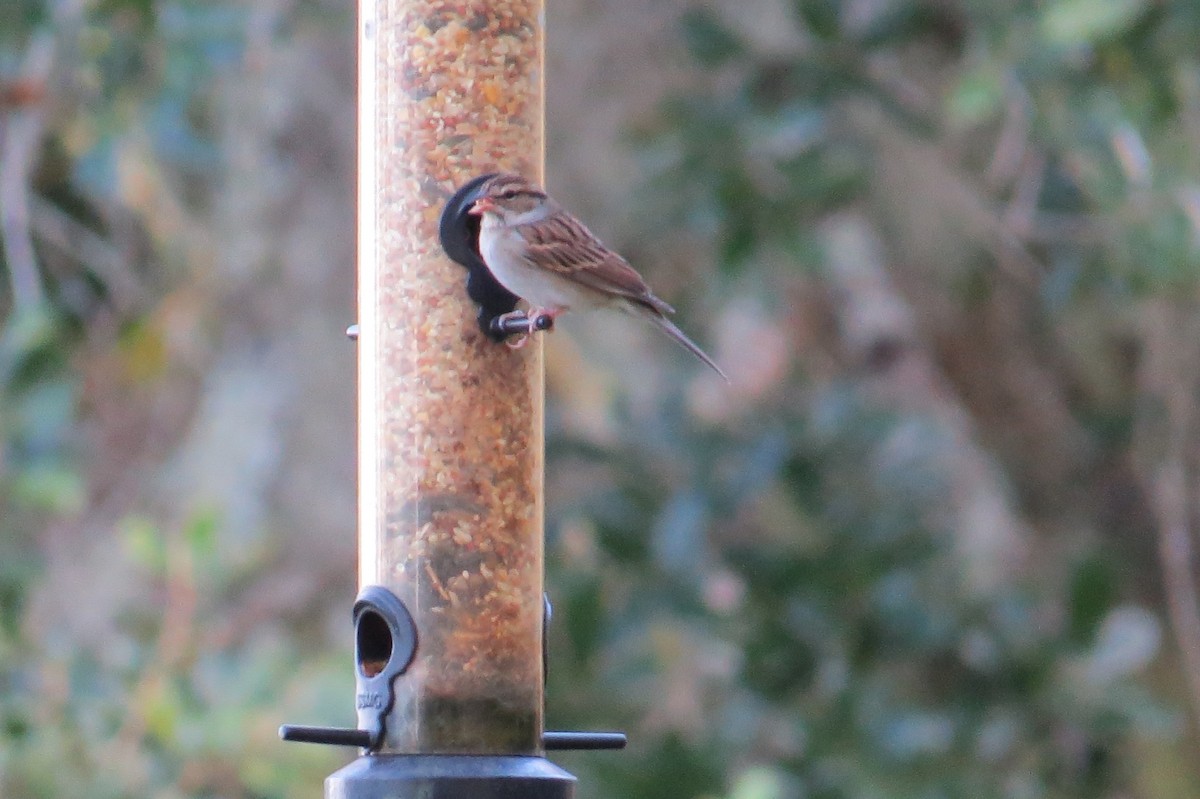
column 450, row 777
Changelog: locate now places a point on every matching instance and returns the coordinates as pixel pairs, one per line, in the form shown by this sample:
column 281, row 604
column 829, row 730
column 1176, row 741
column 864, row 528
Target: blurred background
column 936, row 540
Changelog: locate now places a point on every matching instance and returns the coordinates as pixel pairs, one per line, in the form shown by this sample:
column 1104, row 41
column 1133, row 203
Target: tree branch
column 19, row 147
column 1166, row 379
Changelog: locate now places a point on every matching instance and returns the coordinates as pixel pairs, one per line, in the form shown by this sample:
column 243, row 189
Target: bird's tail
column 674, row 332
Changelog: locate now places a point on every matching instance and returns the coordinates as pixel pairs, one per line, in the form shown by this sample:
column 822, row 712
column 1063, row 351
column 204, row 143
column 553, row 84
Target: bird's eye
column 508, row 194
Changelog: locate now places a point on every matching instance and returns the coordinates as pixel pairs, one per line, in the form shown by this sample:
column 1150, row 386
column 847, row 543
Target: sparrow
column 544, row 255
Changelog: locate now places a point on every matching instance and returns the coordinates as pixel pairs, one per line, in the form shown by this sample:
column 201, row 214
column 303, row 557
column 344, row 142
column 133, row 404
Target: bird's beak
column 481, row 206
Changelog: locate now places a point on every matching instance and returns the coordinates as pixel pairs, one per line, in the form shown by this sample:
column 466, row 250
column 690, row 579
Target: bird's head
column 509, row 197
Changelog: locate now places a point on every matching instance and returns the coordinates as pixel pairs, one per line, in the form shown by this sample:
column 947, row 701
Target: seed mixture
column 450, row 422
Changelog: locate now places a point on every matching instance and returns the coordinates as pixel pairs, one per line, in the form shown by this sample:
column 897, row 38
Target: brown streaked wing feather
column 560, row 243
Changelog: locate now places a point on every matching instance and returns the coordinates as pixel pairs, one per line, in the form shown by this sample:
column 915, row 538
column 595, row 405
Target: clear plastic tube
column 450, row 423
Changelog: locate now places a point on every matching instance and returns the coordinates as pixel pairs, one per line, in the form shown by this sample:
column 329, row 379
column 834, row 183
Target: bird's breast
column 503, row 251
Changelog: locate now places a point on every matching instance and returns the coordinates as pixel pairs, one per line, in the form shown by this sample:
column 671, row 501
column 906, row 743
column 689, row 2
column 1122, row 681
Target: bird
column 540, row 252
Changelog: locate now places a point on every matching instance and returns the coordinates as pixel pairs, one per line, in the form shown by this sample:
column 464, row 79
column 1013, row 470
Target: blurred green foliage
column 175, row 701
column 815, row 627
column 858, row 661
column 767, row 600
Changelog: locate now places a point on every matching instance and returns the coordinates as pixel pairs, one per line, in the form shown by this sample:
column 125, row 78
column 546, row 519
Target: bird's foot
column 522, row 324
column 513, row 323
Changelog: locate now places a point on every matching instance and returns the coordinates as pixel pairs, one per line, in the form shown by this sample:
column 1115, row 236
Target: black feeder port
column 386, row 640
column 459, row 233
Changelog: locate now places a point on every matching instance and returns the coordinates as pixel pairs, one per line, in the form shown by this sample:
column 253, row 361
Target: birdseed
column 450, row 423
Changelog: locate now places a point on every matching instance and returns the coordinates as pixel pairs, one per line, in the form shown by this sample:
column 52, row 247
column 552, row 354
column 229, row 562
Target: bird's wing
column 561, row 244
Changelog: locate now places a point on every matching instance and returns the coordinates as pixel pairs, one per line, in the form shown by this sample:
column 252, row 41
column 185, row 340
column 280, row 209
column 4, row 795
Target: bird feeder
column 449, row 622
